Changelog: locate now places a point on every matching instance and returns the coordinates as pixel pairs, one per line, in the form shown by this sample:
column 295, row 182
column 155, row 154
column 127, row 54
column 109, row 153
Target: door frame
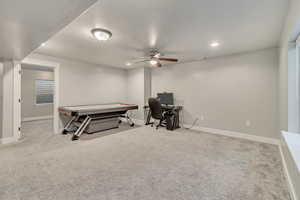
column 55, row 66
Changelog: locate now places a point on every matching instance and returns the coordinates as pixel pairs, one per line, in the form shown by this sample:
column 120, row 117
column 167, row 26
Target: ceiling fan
column 155, row 58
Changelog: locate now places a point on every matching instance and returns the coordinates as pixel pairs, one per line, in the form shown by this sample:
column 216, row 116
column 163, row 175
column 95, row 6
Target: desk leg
column 148, row 117
column 177, row 120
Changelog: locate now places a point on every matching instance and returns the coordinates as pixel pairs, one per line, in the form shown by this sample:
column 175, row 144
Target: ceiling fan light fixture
column 215, row 44
column 153, row 62
column 101, row 34
column 157, row 55
column 128, row 64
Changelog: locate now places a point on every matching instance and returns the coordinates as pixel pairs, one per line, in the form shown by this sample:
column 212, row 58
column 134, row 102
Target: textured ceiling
column 182, row 29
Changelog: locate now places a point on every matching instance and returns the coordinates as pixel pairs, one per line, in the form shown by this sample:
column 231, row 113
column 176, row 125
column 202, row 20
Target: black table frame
column 176, row 109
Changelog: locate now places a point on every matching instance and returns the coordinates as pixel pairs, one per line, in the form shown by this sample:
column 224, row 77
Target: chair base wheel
column 64, row 132
column 132, row 125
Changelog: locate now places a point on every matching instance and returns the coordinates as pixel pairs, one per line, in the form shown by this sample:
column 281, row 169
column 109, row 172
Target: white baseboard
column 8, row 140
column 236, row 135
column 29, row 119
column 287, row 175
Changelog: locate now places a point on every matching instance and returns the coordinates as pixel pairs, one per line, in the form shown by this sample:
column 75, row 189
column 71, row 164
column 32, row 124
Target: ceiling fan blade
column 168, row 59
column 140, row 61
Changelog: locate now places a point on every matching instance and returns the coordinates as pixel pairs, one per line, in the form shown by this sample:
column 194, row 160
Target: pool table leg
column 81, row 128
column 65, row 131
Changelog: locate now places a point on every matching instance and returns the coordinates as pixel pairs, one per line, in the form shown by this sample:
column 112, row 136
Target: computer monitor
column 166, row 98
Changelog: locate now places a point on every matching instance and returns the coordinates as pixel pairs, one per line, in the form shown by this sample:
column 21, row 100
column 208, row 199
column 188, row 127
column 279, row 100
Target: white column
column 11, row 107
column 147, row 84
column 1, row 98
column 17, row 99
column 136, row 91
column 139, row 89
column 56, row 101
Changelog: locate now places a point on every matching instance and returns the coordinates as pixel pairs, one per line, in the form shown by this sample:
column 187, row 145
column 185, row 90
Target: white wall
column 28, row 94
column 136, row 90
column 226, row 91
column 1, row 97
column 82, row 83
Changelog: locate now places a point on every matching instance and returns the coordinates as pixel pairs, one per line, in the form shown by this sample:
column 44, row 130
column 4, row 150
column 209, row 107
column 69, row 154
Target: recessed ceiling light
column 153, row 62
column 101, row 34
column 214, row 44
column 43, row 44
column 128, row 64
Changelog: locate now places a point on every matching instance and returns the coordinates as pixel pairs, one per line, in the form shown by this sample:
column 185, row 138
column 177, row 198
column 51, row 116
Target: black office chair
column 156, row 111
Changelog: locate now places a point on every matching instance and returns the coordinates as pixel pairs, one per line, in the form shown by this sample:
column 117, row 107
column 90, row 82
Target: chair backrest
column 155, row 108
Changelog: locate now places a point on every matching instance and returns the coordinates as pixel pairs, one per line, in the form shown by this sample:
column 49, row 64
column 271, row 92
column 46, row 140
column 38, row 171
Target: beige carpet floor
column 139, row 164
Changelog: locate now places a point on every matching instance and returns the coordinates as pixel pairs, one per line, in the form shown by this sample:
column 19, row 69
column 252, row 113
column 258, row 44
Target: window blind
column 44, row 91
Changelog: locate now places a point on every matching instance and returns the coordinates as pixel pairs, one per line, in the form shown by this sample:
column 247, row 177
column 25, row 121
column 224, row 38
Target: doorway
column 37, row 91
column 39, row 97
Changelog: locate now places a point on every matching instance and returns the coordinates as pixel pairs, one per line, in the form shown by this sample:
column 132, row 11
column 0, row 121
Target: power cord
column 193, row 124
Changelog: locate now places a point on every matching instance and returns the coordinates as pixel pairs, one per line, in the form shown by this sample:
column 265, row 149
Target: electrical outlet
column 248, row 123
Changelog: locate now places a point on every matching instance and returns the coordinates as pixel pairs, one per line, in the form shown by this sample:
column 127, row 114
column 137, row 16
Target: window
column 44, row 91
column 294, row 87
